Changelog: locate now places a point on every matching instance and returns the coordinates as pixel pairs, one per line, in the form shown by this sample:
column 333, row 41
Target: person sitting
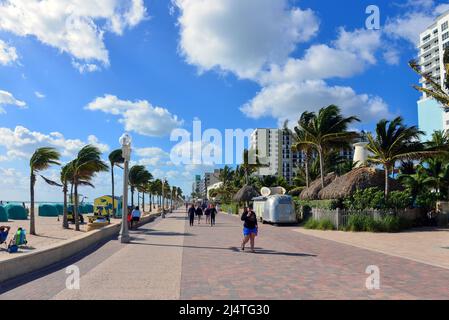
column 4, row 231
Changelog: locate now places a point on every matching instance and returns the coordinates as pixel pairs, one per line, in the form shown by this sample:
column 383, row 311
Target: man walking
column 212, row 212
column 191, row 213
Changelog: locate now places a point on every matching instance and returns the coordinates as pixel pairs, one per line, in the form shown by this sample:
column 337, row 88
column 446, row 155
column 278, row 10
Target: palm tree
column 324, row 131
column 436, row 91
column 115, row 158
column 66, row 176
column 394, row 142
column 250, row 163
column 138, row 175
column 41, row 160
column 85, row 166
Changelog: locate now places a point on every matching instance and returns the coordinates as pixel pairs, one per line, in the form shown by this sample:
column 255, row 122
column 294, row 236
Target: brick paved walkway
column 170, row 260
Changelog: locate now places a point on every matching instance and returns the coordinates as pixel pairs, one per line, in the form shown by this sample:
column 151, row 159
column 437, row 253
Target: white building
column 432, row 43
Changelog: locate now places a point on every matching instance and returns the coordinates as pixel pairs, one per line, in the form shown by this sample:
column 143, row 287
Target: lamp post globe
column 125, row 141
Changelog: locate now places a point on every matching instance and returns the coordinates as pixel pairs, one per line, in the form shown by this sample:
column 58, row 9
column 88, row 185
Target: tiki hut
column 311, row 193
column 246, row 194
column 357, row 179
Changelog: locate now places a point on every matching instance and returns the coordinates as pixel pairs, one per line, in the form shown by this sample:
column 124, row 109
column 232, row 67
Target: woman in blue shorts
column 250, row 228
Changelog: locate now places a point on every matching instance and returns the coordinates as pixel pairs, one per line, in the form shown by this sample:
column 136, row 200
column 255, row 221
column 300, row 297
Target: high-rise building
column 432, row 43
column 274, row 148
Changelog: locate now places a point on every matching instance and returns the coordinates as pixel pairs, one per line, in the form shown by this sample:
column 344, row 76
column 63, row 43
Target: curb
column 34, row 261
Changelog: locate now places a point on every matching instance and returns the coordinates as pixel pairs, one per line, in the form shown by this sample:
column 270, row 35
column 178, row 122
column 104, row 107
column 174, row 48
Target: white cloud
column 76, row 27
column 138, row 116
column 21, row 143
column 288, row 100
column 152, row 156
column 241, row 36
column 39, row 95
column 8, row 54
column 6, row 98
column 408, row 26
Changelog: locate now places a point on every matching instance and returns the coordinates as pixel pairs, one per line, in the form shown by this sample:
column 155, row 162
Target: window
column 426, row 38
column 444, row 26
column 445, row 45
column 445, row 36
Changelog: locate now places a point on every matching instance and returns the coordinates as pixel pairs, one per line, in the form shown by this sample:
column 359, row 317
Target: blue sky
column 74, row 72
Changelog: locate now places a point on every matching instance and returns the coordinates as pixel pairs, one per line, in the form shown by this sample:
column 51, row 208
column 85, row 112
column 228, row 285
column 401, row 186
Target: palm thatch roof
column 247, row 193
column 311, row 193
column 357, row 179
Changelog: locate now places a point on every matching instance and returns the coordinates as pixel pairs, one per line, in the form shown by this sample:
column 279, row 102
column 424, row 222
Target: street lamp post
column 125, row 141
column 163, row 198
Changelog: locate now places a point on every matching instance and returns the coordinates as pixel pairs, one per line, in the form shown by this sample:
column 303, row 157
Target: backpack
column 20, row 238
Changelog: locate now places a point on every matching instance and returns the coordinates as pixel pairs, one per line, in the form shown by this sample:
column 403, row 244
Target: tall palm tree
column 41, row 160
column 394, row 141
column 299, row 143
column 85, row 166
column 66, row 176
column 326, row 130
column 135, row 174
column 434, row 90
column 251, row 163
column 115, row 158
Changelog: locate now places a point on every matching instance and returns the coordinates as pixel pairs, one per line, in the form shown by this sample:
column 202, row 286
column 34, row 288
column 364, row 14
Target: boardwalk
column 170, row 260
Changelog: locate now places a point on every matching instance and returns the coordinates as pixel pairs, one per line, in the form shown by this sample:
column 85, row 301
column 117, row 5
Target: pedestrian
column 135, row 215
column 192, row 212
column 187, row 207
column 199, row 213
column 250, row 228
column 207, row 214
column 213, row 213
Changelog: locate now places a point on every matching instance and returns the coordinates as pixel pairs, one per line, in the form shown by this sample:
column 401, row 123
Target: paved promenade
column 170, row 260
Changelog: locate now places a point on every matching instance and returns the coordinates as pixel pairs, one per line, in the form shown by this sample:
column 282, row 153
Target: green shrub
column 399, row 200
column 370, row 198
column 324, row 224
column 366, row 223
column 318, row 204
column 311, row 224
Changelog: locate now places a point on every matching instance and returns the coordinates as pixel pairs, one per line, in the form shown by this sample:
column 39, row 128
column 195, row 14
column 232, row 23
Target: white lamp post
column 163, row 197
column 125, row 141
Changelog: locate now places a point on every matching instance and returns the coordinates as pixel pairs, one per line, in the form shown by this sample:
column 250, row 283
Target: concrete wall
column 34, row 261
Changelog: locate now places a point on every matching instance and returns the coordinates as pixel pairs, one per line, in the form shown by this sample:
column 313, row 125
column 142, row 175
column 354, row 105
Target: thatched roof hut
column 360, row 178
column 247, row 193
column 311, row 193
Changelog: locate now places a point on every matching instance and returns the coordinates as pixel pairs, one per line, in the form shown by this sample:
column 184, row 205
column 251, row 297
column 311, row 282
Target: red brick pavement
column 290, row 265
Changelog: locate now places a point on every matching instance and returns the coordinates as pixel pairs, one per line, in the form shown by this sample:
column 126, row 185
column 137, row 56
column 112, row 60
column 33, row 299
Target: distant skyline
column 74, row 72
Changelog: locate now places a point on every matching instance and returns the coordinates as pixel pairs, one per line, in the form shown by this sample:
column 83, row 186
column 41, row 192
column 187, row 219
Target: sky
column 77, row 72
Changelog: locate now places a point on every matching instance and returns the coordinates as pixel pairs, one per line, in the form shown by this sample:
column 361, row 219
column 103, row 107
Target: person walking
column 135, row 216
column 191, row 213
column 213, row 212
column 199, row 213
column 187, row 207
column 250, row 228
column 207, row 214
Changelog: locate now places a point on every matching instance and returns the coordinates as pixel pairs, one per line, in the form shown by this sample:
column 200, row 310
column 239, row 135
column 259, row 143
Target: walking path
column 429, row 246
column 170, row 260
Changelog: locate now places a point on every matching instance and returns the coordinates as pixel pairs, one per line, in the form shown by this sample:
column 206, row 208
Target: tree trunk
column 65, row 222
column 75, row 208
column 138, row 198
column 320, row 153
column 306, row 162
column 151, row 202
column 132, row 196
column 143, row 202
column 113, row 187
column 32, row 222
column 387, row 181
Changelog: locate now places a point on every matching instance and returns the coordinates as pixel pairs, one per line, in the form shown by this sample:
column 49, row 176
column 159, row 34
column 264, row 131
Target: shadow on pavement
column 161, row 233
column 233, row 249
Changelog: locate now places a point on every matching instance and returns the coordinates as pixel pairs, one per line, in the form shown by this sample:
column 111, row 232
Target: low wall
column 33, row 261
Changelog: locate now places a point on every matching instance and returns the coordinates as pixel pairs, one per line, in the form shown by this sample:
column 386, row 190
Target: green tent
column 3, row 215
column 60, row 208
column 48, row 210
column 88, row 208
column 16, row 212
